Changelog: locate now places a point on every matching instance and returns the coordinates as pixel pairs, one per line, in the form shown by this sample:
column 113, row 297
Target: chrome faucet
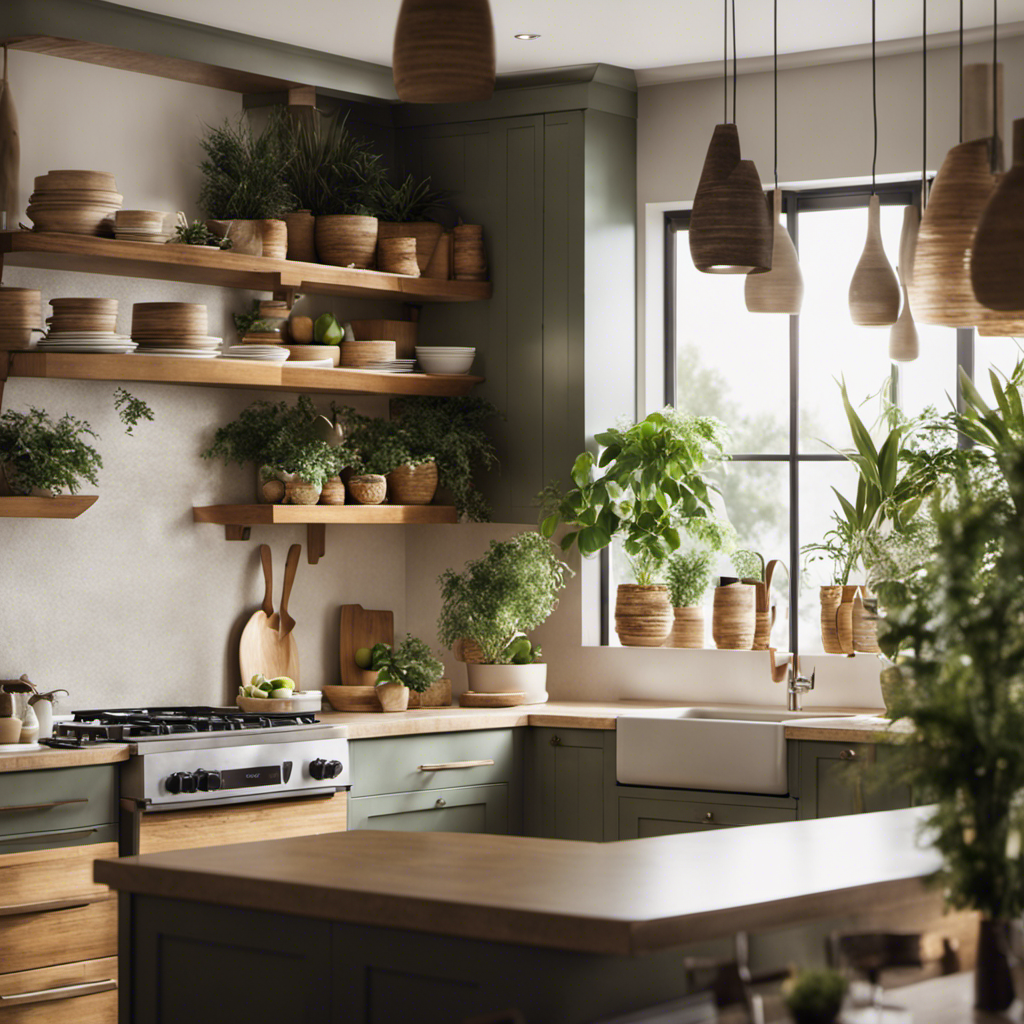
column 797, row 685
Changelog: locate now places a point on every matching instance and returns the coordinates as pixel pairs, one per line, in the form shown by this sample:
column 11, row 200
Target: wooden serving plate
column 469, row 699
column 304, row 701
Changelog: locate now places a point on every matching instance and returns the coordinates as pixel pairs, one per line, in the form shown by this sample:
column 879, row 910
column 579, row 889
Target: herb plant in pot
column 494, row 603
column 401, row 211
column 40, row 457
column 688, row 576
column 244, row 194
column 815, row 996
column 408, row 668
column 650, row 489
column 387, row 449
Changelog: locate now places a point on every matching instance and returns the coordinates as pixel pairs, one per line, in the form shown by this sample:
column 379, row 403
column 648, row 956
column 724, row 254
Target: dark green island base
column 421, row 927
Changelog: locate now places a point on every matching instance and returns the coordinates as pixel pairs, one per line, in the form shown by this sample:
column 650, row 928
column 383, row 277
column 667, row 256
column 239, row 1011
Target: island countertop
column 608, row 898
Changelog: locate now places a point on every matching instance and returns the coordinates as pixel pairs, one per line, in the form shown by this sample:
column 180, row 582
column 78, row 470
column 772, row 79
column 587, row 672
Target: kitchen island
column 376, row 926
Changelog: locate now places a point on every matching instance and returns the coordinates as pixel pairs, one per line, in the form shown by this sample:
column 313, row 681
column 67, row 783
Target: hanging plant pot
column 413, row 485
column 643, row 615
column 246, row 235
column 687, row 628
column 425, row 232
column 301, row 236
column 734, row 617
column 347, row 240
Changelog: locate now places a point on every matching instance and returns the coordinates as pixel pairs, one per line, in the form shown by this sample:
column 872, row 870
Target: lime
column 364, row 657
column 326, row 330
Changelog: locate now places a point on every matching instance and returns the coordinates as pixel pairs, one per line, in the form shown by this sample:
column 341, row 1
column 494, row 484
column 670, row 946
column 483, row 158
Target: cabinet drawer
column 410, row 764
column 642, row 818
column 82, row 993
column 41, row 880
column 466, row 809
column 57, row 799
column 60, row 935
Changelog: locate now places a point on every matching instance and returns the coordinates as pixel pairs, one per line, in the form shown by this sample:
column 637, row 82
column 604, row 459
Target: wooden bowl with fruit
column 276, row 696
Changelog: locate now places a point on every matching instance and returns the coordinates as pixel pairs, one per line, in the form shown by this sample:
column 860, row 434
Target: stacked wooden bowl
column 367, row 354
column 21, row 313
column 75, row 202
column 143, row 226
column 173, row 329
column 85, row 325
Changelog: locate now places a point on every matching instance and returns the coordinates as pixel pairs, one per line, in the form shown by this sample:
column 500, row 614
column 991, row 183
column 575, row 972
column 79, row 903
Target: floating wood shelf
column 234, row 373
column 238, row 519
column 197, row 264
column 65, row 506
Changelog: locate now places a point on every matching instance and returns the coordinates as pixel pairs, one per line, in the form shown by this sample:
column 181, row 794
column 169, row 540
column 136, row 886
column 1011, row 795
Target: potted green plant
column 815, row 996
column 245, row 194
column 196, row 233
column 402, row 211
column 385, row 450
column 651, row 488
column 408, row 668
column 495, row 603
column 688, row 576
column 333, row 174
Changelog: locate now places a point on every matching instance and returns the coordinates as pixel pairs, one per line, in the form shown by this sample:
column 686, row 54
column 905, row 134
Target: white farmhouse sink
column 733, row 750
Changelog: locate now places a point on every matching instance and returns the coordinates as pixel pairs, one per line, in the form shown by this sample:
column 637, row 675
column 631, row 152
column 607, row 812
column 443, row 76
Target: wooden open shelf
column 234, row 373
column 64, row 506
column 237, row 520
column 196, row 264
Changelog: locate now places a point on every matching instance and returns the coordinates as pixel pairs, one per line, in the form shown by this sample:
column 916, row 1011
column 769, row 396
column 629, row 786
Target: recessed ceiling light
column 527, row 35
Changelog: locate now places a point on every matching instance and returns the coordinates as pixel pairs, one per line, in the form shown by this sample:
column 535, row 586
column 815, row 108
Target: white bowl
column 445, row 350
column 433, row 362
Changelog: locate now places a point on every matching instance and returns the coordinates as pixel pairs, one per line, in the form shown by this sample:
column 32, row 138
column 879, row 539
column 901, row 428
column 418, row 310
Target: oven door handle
column 48, row 906
column 47, row 995
column 43, row 807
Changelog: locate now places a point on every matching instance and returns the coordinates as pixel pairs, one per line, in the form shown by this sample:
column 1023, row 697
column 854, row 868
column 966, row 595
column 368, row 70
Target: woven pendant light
column 730, row 230
column 874, row 291
column 781, row 290
column 997, row 260
column 444, row 51
column 903, row 341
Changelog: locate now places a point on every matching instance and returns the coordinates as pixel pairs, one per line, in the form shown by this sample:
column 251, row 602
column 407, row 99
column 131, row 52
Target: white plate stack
column 85, row 325
column 445, row 359
column 173, row 330
column 258, row 353
column 392, row 366
column 142, row 226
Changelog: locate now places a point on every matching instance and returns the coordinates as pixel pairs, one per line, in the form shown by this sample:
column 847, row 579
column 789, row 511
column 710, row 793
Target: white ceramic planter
column 529, row 679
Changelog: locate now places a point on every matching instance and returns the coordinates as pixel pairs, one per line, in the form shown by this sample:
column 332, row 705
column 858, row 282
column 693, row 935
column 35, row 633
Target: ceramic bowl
column 450, row 362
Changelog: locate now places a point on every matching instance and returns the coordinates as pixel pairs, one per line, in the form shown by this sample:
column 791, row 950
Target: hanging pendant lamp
column 444, row 51
column 781, row 290
column 874, row 291
column 903, row 341
column 730, row 230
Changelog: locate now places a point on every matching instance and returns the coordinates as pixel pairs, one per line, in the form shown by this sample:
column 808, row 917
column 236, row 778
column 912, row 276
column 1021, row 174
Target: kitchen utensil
column 290, row 568
column 262, row 648
column 42, row 704
column 300, row 701
column 362, row 628
column 350, row 698
column 469, row 699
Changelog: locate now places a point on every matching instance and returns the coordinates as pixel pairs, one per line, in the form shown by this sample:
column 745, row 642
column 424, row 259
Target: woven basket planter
column 369, row 489
column 397, row 256
column 413, row 485
column 687, row 628
column 643, row 615
column 734, row 617
column 275, row 238
column 425, row 233
column 347, row 240
column 301, row 236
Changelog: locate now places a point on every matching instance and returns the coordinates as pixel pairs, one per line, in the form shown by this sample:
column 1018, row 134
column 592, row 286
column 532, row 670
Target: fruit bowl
column 300, row 701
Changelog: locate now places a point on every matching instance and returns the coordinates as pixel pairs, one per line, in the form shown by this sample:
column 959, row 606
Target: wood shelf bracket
column 235, row 532
column 316, row 542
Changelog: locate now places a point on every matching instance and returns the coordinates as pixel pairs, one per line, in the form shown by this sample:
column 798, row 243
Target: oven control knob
column 333, row 769
column 318, row 768
column 180, row 782
column 208, row 781
column 189, row 783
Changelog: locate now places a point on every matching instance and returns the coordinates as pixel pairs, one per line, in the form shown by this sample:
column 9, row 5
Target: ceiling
column 635, row 34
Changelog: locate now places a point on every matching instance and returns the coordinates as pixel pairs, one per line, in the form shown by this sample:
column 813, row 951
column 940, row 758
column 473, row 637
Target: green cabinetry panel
column 463, row 809
column 644, row 817
column 847, row 778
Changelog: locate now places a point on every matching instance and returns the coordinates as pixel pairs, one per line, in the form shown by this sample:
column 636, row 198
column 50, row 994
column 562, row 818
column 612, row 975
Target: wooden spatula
column 269, row 650
column 287, row 623
column 259, row 620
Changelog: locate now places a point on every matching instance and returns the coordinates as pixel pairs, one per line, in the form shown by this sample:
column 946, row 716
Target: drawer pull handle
column 441, row 802
column 35, row 837
column 709, row 816
column 555, row 741
column 47, row 995
column 48, row 906
column 43, row 807
column 456, row 764
column 847, row 755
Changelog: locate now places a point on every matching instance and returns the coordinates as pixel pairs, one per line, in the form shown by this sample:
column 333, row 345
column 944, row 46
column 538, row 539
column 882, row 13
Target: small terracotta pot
column 269, row 487
column 687, row 628
column 369, row 489
column 643, row 615
column 393, row 696
column 413, row 485
column 275, row 238
column 246, row 235
column 333, row 492
column 300, row 492
column 301, row 236
column 347, row 240
column 734, row 617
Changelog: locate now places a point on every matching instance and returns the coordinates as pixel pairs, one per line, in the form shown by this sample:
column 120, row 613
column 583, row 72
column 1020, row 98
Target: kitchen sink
column 728, row 749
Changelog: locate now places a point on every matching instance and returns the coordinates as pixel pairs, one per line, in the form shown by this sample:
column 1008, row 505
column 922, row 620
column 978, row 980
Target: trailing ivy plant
column 412, row 200
column 38, row 453
column 688, row 575
column 378, row 445
column 508, row 592
column 411, row 663
column 651, row 488
column 244, row 174
column 131, row 410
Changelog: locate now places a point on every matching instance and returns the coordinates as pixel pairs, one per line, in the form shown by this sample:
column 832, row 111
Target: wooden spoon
column 273, row 619
column 287, row 623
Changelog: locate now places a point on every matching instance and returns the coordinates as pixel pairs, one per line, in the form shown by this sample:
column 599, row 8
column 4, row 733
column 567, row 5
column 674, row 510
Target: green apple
column 364, row 657
column 282, row 693
column 327, row 330
column 282, row 683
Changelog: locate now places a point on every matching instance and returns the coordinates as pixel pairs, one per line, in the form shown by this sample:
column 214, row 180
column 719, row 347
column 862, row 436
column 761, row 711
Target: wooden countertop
column 47, row 757
column 615, row 898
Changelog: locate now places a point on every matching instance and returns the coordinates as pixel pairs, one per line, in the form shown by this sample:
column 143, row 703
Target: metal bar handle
column 43, row 807
column 47, row 995
column 48, row 906
column 448, row 766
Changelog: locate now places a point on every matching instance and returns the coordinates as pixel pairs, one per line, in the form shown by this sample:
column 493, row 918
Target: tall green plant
column 688, row 575
column 412, row 200
column 651, row 488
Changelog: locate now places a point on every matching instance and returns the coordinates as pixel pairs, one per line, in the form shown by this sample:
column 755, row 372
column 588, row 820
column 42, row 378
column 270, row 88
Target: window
column 773, row 381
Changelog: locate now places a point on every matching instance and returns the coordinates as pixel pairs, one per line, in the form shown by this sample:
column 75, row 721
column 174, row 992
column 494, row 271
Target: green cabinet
column 565, row 782
column 463, row 809
column 644, row 817
column 847, row 778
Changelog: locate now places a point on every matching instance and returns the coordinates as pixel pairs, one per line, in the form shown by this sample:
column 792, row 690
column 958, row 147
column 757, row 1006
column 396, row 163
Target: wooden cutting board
column 361, row 627
column 263, row 648
column 469, row 699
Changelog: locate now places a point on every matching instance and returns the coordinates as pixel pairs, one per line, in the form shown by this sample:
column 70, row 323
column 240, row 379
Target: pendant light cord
column 733, row 61
column 924, row 104
column 995, row 87
column 725, row 62
column 961, row 70
column 775, row 81
column 874, row 100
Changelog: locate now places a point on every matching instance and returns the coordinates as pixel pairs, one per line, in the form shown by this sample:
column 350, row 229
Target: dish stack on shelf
column 75, row 202
column 366, row 355
column 392, row 366
column 258, row 353
column 143, row 226
column 21, row 313
column 85, row 325
column 173, row 329
column 445, row 359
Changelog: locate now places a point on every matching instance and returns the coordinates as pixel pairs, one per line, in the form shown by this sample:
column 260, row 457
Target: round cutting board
column 469, row 699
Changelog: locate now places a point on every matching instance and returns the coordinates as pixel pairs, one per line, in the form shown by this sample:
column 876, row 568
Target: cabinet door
column 466, row 809
column 641, row 817
column 565, row 784
column 846, row 778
